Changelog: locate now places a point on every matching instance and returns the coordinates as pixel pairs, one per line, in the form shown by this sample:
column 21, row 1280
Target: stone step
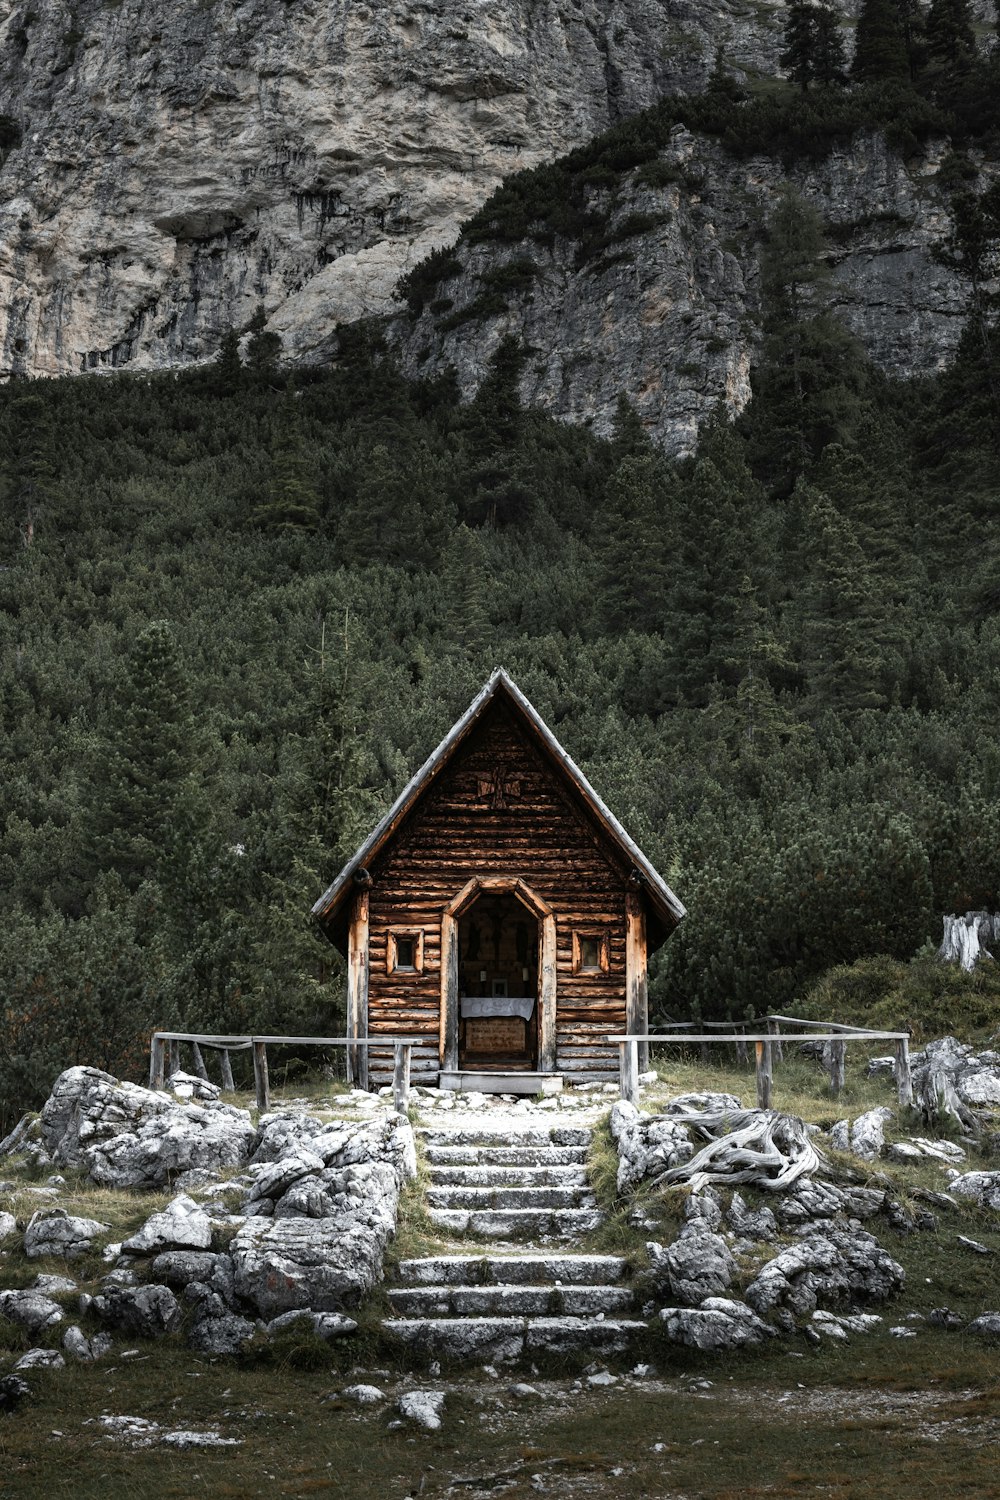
column 507, row 1156
column 489, row 1339
column 512, row 1270
column 509, row 1197
column 517, row 1223
column 518, row 1176
column 488, row 1137
column 509, row 1301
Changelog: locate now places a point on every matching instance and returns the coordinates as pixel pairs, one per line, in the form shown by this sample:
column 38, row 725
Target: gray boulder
column 41, row 1359
column 127, row 1136
column 647, row 1145
column 751, row 1224
column 77, row 1344
column 838, row 1266
column 986, row 1327
column 33, row 1311
column 423, row 1408
column 52, row 1231
column 324, row 1325
column 175, row 1268
column 190, row 1086
column 718, row 1324
column 322, row 1264
column 8, row 1225
column 981, row 1187
column 697, row 1265
column 182, row 1225
column 215, row 1328
column 150, row 1311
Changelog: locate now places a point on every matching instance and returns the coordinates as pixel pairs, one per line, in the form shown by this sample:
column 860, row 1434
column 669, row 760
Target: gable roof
column 662, row 900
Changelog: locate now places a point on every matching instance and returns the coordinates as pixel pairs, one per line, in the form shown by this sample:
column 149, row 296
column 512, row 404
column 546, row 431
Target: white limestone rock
column 41, row 1359
column 150, row 1311
column 646, row 1144
column 33, row 1311
column 52, row 1231
column 322, row 1264
column 84, row 1349
column 982, row 1188
column 422, row 1408
column 697, row 1265
column 719, row 1323
column 8, row 1225
column 837, row 1265
column 127, row 1136
column 182, row 1225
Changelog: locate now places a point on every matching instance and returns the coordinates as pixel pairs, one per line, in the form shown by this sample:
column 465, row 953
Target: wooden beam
column 448, row 1020
column 357, row 990
column 636, row 982
column 401, row 1076
column 547, row 996
column 156, row 1060
column 904, row 1081
column 764, row 1077
column 260, row 1078
column 628, row 1071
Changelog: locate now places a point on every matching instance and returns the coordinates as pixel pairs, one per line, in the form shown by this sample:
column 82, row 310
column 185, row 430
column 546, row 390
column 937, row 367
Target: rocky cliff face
column 668, row 314
column 182, row 162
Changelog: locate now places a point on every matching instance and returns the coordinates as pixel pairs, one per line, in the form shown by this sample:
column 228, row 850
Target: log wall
column 499, row 808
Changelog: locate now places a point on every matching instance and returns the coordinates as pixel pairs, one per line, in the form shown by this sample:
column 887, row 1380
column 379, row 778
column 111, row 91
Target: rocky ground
column 500, row 1242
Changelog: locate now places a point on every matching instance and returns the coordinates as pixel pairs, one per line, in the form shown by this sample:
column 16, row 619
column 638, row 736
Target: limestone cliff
column 666, row 311
column 182, row 162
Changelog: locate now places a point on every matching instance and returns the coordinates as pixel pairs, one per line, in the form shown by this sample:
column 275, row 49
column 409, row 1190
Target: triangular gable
column 661, row 898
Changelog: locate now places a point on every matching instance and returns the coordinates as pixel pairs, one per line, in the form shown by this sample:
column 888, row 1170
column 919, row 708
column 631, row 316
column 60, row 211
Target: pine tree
column 144, row 761
column 263, row 346
column 799, row 56
column 829, row 54
column 880, row 47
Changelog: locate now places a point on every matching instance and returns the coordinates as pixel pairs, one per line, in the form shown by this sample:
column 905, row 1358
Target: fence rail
column 161, row 1040
column 764, row 1042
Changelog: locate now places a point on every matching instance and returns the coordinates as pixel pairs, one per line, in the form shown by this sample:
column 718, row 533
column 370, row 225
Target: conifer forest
column 240, row 603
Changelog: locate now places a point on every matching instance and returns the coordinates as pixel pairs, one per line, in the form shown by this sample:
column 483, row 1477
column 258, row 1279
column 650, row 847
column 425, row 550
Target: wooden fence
column 765, row 1044
column 162, row 1040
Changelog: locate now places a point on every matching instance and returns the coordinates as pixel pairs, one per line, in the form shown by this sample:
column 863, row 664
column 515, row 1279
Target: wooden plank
column 448, row 1022
column 547, row 997
column 260, row 1078
column 357, row 988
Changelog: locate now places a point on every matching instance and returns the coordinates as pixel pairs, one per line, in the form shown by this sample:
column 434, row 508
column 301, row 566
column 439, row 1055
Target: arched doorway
column 498, row 978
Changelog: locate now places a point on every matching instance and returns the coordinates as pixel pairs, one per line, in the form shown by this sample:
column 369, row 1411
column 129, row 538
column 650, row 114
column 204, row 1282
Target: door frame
column 501, row 885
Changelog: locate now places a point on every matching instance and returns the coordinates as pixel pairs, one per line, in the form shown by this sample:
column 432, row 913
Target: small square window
column 404, row 952
column 591, row 953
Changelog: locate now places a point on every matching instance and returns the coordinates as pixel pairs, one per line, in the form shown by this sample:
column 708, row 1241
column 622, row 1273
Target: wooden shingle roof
column 330, row 909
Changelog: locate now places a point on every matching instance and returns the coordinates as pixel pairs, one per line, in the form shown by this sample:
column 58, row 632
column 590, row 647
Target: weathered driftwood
column 936, row 1096
column 765, row 1148
column 968, row 939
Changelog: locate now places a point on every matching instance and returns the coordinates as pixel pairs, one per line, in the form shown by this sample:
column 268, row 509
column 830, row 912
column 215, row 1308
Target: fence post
column 198, row 1062
column 260, row 1076
column 228, row 1086
column 628, row 1071
column 175, row 1058
column 741, row 1052
column 764, row 1080
column 904, row 1082
column 774, row 1028
column 838, row 1057
column 401, row 1077
column 156, row 1062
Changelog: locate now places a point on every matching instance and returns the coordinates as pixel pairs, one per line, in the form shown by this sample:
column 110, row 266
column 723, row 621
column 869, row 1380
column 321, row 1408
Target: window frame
column 602, row 937
column 414, row 935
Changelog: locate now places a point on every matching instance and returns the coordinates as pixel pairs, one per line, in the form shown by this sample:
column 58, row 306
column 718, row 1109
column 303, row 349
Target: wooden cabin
column 499, row 914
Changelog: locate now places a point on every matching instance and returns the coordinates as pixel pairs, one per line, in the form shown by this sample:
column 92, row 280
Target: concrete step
column 517, row 1176
column 488, row 1137
column 520, row 1224
column 509, row 1301
column 489, row 1339
column 512, row 1270
column 509, row 1197
column 507, row 1156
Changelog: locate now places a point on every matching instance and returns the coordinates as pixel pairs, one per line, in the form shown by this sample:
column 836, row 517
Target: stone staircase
column 516, row 1191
